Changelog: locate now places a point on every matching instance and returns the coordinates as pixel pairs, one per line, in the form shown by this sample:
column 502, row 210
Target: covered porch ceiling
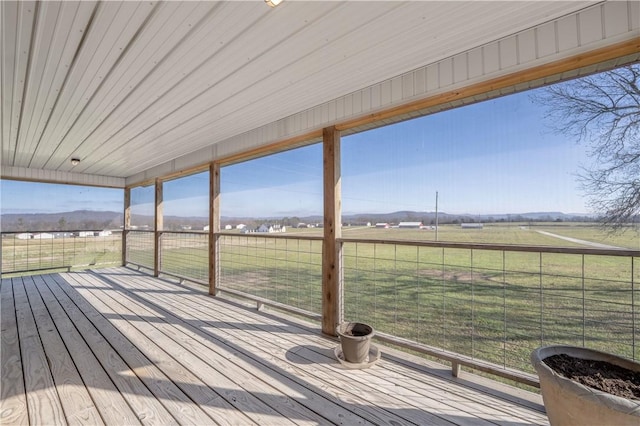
column 129, row 86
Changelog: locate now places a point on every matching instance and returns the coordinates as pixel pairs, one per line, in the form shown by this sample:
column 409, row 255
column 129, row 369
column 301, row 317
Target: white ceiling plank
column 70, row 97
column 188, row 57
column 8, row 35
column 153, row 82
column 65, row 42
column 104, row 45
column 155, row 43
column 17, row 66
column 48, row 15
column 213, row 80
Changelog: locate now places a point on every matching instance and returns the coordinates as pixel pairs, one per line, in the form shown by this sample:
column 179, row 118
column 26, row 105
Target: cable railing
column 486, row 306
column 185, row 255
column 140, row 249
column 286, row 270
column 494, row 303
column 30, row 251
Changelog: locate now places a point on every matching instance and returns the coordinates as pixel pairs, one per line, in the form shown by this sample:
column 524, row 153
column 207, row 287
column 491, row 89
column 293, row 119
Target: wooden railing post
column 126, row 223
column 332, row 288
column 157, row 228
column 214, row 227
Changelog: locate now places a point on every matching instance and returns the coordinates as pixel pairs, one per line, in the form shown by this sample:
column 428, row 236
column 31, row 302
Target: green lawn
column 56, row 253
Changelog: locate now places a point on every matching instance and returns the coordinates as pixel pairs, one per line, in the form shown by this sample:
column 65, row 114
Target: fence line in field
column 46, row 250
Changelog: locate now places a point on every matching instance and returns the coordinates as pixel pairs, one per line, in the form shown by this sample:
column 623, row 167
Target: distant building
column 241, row 226
column 382, row 225
column 206, row 228
column 24, row 236
column 472, row 225
column 227, row 227
column 270, row 228
column 410, row 225
column 43, row 236
column 63, row 234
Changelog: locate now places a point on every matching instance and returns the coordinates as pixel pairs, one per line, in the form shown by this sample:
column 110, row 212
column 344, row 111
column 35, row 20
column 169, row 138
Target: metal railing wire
column 140, row 248
column 24, row 252
column 494, row 303
column 185, row 254
column 483, row 305
column 283, row 269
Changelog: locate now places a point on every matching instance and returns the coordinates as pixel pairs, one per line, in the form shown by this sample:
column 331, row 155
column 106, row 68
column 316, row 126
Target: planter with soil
column 355, row 341
column 587, row 387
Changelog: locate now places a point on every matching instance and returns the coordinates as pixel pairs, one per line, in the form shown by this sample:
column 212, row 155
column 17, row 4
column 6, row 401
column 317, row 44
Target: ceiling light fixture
column 75, row 161
column 273, row 3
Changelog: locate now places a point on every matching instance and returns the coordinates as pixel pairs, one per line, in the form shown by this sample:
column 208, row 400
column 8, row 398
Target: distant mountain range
column 80, row 220
column 98, row 220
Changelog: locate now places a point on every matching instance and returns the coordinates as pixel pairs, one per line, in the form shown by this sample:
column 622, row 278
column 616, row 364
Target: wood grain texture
column 127, row 223
column 43, row 401
column 214, row 226
column 164, row 389
column 177, row 356
column 158, row 226
column 75, row 399
column 142, row 401
column 313, row 354
column 332, row 285
column 13, row 400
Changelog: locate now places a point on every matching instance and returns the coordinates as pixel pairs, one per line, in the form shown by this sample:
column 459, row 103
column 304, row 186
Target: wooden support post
column 214, row 227
column 126, row 224
column 455, row 369
column 332, row 288
column 159, row 214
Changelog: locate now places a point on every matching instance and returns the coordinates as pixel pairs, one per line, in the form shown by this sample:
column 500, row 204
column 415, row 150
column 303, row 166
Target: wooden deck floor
column 119, row 347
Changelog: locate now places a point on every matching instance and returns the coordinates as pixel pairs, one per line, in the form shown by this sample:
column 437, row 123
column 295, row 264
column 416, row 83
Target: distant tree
column 62, row 223
column 603, row 111
column 20, row 224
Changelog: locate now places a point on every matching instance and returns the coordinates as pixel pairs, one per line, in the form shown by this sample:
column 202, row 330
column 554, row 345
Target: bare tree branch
column 602, row 111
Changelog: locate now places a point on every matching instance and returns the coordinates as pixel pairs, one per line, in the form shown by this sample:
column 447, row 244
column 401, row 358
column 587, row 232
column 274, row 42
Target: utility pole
column 436, row 215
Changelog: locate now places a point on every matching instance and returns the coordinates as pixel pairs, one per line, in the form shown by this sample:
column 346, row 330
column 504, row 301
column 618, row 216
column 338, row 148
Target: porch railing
column 286, row 270
column 140, row 248
column 494, row 303
column 483, row 305
column 48, row 250
column 185, row 254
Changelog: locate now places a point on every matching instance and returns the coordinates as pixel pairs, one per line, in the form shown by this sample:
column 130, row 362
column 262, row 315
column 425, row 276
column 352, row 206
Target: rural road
column 575, row 240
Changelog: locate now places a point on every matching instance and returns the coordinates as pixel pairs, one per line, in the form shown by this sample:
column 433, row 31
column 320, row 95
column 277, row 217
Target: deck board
column 159, row 352
column 13, row 400
column 78, row 405
column 147, row 408
column 43, row 400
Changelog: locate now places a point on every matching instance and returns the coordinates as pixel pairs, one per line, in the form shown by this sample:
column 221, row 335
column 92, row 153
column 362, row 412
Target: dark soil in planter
column 600, row 375
column 358, row 330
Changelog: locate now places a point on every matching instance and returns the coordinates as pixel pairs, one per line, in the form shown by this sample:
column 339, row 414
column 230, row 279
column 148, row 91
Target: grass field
column 494, row 305
column 60, row 253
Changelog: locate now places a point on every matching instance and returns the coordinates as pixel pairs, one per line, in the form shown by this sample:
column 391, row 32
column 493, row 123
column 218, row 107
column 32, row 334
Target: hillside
column 97, row 220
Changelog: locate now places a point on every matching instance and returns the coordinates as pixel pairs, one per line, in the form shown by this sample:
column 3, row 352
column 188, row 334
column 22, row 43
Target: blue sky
column 488, row 158
column 30, row 197
column 492, row 157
